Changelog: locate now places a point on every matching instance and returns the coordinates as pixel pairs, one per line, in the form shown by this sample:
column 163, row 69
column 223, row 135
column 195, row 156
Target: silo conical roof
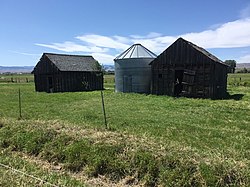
column 136, row 51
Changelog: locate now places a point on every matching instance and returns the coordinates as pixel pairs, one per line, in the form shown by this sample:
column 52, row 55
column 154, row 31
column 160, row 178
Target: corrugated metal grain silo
column 132, row 70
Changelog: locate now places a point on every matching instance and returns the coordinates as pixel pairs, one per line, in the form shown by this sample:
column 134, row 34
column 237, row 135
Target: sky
column 105, row 28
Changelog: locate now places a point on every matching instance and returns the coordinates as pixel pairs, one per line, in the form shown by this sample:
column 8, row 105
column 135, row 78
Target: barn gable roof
column 66, row 62
column 199, row 49
column 202, row 50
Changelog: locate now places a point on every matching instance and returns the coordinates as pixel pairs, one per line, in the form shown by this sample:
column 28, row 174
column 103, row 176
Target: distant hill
column 109, row 68
column 28, row 69
column 16, row 69
column 242, row 65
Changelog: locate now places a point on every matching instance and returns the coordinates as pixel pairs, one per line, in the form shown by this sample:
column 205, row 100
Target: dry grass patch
column 110, row 158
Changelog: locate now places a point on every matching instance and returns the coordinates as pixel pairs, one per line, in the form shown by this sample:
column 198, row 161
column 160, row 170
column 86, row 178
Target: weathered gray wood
column 49, row 78
column 210, row 79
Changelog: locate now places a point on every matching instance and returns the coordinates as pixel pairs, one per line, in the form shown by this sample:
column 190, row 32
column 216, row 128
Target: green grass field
column 16, row 78
column 151, row 141
column 242, row 79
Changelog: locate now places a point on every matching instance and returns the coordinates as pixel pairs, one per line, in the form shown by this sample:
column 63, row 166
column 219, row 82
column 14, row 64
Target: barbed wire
column 28, row 175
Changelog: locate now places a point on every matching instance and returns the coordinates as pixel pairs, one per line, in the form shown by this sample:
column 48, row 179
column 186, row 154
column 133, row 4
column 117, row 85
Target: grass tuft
column 153, row 140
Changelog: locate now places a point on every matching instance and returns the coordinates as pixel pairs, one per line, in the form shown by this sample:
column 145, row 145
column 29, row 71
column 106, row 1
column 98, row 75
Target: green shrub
column 53, row 151
column 146, row 166
column 181, row 173
column 5, row 134
column 33, row 141
column 25, row 138
column 77, row 155
column 105, row 160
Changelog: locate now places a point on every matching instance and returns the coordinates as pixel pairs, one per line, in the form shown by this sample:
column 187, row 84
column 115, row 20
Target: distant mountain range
column 28, row 69
column 109, row 68
column 243, row 65
column 16, row 69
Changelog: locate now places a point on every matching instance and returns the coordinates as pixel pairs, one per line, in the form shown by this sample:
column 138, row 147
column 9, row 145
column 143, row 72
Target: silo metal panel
column 133, row 75
column 127, row 83
column 132, row 70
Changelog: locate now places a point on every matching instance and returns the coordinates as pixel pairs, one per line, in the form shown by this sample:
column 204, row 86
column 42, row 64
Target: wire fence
column 28, row 175
column 16, row 79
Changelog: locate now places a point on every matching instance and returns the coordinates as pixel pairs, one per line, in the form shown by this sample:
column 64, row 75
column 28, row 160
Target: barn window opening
column 178, row 82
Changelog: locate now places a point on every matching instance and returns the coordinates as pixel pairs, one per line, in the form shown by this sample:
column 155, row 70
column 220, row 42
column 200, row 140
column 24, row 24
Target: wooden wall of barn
column 49, row 79
column 202, row 76
column 43, row 70
column 78, row 81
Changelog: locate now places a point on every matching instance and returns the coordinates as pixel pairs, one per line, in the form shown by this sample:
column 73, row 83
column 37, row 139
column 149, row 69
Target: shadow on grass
column 236, row 97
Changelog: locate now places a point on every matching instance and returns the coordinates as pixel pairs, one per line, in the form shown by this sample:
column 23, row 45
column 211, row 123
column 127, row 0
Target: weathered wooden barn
column 67, row 73
column 185, row 69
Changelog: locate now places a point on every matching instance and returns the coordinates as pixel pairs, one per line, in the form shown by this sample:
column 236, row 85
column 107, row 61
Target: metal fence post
column 104, row 113
column 20, row 106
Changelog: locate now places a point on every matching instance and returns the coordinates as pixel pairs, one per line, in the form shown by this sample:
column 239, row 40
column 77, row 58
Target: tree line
column 232, row 67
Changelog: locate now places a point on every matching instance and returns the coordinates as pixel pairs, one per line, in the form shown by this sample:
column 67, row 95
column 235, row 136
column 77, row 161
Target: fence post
column 104, row 113
column 20, row 106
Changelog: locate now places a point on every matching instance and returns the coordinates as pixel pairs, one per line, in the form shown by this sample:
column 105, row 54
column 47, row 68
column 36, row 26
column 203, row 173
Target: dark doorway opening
column 178, row 82
column 50, row 84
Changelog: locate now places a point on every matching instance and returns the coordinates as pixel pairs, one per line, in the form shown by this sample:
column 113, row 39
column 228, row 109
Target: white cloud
column 244, row 59
column 121, row 39
column 72, row 47
column 150, row 35
column 157, row 44
column 153, row 35
column 228, row 35
column 104, row 58
column 104, row 48
column 26, row 54
column 104, row 41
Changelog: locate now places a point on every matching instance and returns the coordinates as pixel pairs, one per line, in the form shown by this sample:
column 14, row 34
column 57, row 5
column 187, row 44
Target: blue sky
column 105, row 28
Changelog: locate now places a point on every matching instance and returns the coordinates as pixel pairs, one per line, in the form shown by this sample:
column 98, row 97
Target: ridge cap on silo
column 136, row 50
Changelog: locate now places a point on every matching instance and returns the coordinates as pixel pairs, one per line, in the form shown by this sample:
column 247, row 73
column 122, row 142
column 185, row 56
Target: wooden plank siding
column 48, row 78
column 209, row 79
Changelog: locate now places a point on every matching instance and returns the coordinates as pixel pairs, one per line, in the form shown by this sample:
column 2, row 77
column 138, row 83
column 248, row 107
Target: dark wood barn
column 67, row 73
column 185, row 69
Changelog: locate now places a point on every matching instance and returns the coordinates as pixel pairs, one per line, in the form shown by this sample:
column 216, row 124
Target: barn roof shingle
column 203, row 51
column 66, row 62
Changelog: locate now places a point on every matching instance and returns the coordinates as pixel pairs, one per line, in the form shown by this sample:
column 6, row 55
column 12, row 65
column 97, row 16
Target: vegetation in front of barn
column 149, row 163
column 239, row 79
column 174, row 141
column 41, row 170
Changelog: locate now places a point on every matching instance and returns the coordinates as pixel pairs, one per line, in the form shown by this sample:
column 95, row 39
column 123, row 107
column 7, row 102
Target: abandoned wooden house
column 185, row 69
column 67, row 73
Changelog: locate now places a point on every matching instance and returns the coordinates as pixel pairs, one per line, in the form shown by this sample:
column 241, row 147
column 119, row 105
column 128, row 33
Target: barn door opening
column 127, row 83
column 50, row 84
column 188, row 82
column 178, row 82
